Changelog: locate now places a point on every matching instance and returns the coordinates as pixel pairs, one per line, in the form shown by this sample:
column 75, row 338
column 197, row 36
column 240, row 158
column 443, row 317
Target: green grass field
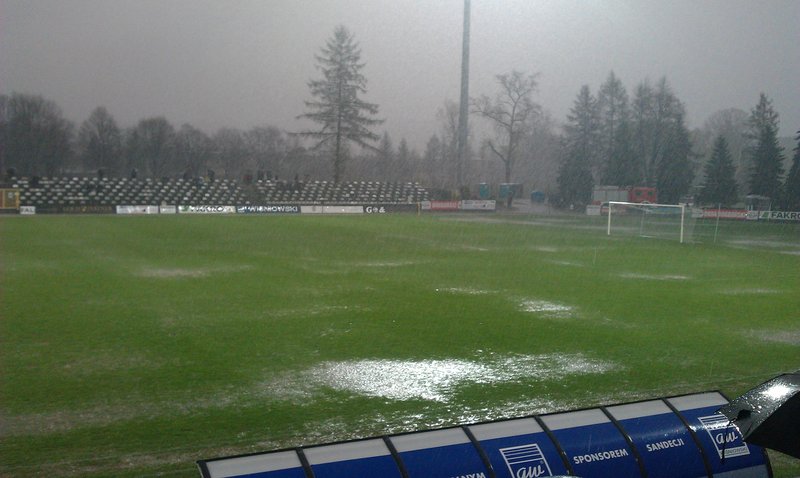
column 133, row 346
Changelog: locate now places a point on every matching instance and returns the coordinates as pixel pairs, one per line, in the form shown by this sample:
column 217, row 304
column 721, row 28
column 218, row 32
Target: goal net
column 663, row 221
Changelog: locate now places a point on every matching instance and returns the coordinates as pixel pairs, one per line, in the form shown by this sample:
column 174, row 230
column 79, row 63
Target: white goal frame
column 636, row 204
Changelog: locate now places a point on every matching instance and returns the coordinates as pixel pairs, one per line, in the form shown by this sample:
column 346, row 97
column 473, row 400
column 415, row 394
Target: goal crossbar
column 648, row 205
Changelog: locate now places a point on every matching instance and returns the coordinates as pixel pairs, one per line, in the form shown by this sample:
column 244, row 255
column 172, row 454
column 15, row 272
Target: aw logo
column 725, row 436
column 526, row 461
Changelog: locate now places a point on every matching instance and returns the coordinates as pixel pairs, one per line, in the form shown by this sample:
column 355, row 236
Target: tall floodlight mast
column 463, row 113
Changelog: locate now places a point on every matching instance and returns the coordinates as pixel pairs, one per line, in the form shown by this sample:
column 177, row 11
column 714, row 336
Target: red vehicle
column 637, row 194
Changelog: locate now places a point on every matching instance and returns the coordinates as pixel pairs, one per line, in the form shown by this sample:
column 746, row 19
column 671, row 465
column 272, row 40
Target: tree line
column 38, row 141
column 609, row 138
column 612, row 139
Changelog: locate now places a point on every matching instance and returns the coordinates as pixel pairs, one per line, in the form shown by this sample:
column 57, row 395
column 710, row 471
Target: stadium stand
column 353, row 192
column 72, row 191
column 54, row 192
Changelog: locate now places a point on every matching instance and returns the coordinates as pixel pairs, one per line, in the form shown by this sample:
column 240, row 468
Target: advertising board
column 660, row 438
column 722, row 443
column 776, row 215
column 358, row 458
column 593, row 444
column 282, row 464
column 207, row 209
column 9, row 198
column 137, row 210
column 389, row 208
column 475, row 205
column 86, row 209
column 677, row 437
column 445, row 205
column 446, row 453
column 316, row 209
column 519, row 448
column 269, row 209
column 720, row 213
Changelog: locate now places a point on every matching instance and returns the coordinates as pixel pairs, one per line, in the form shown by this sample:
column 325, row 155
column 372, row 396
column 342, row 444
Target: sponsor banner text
column 269, row 209
column 207, row 209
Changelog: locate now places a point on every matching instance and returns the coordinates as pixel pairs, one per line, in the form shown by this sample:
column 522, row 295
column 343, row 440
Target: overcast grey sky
column 242, row 63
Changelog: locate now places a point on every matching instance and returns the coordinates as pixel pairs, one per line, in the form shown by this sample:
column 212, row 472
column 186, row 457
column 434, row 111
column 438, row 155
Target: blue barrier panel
column 519, row 449
column 447, row 453
column 594, row 445
column 720, row 439
column 358, row 458
column 665, row 445
column 281, row 464
column 678, row 437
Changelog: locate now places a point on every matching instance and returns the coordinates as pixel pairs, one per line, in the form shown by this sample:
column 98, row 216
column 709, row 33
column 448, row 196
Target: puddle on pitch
column 565, row 263
column 759, row 244
column 386, row 264
column 664, row 277
column 547, row 309
column 751, row 291
column 463, row 290
column 475, row 248
column 438, row 380
column 183, row 273
column 545, row 249
column 787, row 337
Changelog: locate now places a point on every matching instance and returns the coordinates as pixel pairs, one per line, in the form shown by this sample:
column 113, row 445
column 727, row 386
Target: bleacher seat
column 73, row 191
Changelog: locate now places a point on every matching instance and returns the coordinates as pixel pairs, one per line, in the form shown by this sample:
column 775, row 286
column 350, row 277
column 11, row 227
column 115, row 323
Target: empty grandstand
column 45, row 193
column 353, row 192
column 54, row 193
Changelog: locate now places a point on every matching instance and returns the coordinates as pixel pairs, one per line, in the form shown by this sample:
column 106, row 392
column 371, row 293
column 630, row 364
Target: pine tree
column 402, row 167
column 719, row 186
column 575, row 179
column 575, row 182
column 792, row 185
column 731, row 124
column 616, row 161
column 385, row 156
column 344, row 117
column 674, row 168
column 767, row 154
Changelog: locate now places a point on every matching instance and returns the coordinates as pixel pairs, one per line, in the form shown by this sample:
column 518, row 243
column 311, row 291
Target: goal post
column 666, row 220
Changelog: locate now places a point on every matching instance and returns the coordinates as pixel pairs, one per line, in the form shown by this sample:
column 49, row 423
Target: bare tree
column 151, row 145
column 510, row 112
column 268, row 148
column 230, row 151
column 100, row 142
column 37, row 137
column 449, row 117
column 433, row 160
column 193, row 149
